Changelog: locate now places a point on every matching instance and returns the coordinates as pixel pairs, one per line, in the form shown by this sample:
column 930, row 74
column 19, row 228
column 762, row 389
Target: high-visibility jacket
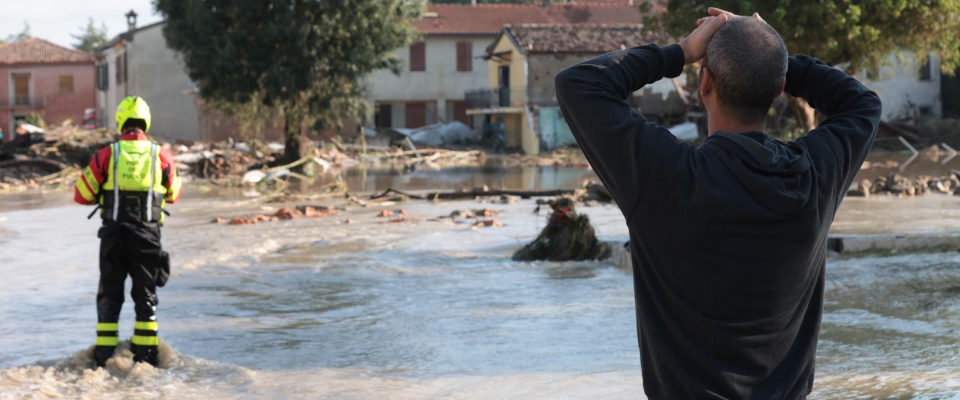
column 132, row 178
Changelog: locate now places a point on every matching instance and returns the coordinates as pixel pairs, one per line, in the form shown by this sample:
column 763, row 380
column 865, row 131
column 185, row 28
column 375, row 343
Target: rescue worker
column 131, row 180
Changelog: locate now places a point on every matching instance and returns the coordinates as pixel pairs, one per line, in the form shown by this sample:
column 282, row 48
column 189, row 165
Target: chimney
column 131, row 20
column 546, row 3
column 473, row 3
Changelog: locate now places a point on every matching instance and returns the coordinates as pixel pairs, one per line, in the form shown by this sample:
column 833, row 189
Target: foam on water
column 176, row 376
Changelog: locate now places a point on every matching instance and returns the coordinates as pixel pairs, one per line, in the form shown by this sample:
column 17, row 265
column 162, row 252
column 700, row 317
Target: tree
column 302, row 59
column 91, row 38
column 23, row 35
column 490, row 1
column 853, row 35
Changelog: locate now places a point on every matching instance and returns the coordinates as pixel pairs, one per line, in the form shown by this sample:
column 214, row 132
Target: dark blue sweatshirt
column 729, row 239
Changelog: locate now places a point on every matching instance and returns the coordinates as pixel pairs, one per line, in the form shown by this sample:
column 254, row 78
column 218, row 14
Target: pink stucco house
column 37, row 76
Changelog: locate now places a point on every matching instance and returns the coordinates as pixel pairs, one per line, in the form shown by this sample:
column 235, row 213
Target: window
column 418, row 57
column 416, row 114
column 122, row 68
column 464, row 56
column 926, row 74
column 66, row 84
column 384, row 116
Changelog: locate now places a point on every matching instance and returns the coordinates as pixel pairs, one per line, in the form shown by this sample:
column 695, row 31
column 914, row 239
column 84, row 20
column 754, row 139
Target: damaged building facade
column 450, row 62
column 523, row 62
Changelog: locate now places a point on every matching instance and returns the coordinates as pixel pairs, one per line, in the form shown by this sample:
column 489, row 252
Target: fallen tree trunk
column 474, row 193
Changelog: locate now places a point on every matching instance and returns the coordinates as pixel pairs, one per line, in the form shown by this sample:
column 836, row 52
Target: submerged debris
column 898, row 185
column 283, row 213
column 568, row 236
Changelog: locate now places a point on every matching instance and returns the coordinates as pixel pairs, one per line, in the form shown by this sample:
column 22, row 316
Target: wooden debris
column 285, row 213
column 487, row 224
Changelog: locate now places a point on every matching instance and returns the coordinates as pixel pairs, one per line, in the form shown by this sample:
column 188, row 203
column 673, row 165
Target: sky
column 61, row 18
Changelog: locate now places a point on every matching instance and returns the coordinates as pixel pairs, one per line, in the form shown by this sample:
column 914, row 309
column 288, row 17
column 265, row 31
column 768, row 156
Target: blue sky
column 61, row 18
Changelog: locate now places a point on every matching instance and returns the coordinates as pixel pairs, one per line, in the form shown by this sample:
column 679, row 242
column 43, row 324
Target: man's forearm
column 827, row 89
column 621, row 72
column 612, row 136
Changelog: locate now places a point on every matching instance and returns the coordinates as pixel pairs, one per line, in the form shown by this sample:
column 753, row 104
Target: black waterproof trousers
column 128, row 248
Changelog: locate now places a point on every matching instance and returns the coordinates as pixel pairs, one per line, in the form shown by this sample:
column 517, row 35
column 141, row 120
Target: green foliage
column 91, row 38
column 305, row 59
column 23, row 35
column 35, row 119
column 492, row 1
column 853, row 34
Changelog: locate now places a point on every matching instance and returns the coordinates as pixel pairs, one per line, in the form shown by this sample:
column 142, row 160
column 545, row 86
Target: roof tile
column 589, row 38
column 39, row 51
column 488, row 19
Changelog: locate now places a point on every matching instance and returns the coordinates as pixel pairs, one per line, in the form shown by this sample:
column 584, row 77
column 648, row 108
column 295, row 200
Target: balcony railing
column 495, row 97
column 24, row 101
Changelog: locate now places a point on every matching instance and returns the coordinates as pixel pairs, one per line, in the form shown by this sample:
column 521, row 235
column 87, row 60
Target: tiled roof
column 593, row 38
column 488, row 19
column 39, row 51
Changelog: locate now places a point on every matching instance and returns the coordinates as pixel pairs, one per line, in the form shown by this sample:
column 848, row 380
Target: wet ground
column 430, row 309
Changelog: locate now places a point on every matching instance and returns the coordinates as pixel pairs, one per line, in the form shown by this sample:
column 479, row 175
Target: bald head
column 748, row 62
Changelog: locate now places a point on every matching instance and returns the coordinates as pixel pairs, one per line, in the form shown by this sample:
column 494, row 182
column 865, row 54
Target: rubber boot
column 147, row 354
column 101, row 354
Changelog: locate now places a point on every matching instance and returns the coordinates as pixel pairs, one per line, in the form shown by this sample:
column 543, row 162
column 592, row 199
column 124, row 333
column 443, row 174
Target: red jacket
column 89, row 192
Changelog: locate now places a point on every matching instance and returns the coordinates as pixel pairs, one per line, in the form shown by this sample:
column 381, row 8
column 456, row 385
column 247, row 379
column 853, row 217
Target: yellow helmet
column 133, row 107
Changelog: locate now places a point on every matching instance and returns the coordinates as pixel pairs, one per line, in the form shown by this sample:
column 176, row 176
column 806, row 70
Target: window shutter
column 119, row 63
column 418, row 57
column 66, row 84
column 460, row 112
column 464, row 56
column 416, row 114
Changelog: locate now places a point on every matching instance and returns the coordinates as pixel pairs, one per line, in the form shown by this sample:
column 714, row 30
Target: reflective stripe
column 145, row 340
column 153, row 180
column 92, row 183
column 108, row 340
column 146, row 325
column 84, row 190
column 116, row 181
column 175, row 186
column 108, row 327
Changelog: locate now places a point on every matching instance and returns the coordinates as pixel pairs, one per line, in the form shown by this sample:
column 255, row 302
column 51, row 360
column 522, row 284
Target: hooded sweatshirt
column 729, row 239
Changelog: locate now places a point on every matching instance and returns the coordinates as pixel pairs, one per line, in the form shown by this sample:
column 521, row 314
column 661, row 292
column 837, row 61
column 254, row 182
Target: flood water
column 430, row 309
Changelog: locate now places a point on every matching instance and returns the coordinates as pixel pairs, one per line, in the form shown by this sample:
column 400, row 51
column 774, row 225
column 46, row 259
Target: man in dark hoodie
column 729, row 239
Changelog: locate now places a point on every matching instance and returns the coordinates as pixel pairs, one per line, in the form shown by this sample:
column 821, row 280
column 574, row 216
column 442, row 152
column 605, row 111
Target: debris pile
column 285, row 213
column 570, row 158
column 568, row 236
column 900, row 186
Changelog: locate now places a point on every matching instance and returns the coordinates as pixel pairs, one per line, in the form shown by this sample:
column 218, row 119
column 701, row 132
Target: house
column 523, row 62
column 139, row 63
column 907, row 89
column 37, row 76
column 448, row 62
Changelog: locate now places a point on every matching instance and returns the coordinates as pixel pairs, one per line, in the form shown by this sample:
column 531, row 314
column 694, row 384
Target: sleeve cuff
column 673, row 61
column 794, row 69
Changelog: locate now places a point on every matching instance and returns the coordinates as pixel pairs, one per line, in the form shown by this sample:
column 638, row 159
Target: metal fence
column 25, row 101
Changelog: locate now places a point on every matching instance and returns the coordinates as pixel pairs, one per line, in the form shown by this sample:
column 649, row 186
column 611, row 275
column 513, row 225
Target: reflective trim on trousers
column 108, row 340
column 145, row 340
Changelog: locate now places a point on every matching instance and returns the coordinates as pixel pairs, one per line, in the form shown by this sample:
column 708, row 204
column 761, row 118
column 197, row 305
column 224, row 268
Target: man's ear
column 706, row 81
column 780, row 91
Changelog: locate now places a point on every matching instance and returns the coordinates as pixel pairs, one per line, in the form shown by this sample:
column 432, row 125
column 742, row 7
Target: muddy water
column 430, row 309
